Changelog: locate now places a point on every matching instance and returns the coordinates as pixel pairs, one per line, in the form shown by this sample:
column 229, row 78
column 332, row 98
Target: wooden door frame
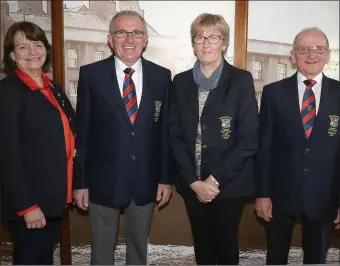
column 241, row 33
column 58, row 65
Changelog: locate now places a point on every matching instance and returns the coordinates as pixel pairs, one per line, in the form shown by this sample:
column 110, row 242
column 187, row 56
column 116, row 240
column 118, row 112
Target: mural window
column 281, row 71
column 98, row 55
column 72, row 58
column 73, row 85
column 257, row 69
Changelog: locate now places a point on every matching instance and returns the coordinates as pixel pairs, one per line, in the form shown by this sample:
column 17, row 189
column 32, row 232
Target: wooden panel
column 57, row 19
column 241, row 32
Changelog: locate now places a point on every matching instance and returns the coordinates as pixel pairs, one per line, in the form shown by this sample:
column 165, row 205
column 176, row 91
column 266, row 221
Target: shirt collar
column 30, row 82
column 121, row 66
column 317, row 78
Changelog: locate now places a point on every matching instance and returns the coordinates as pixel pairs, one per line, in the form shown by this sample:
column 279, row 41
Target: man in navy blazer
column 121, row 162
column 299, row 154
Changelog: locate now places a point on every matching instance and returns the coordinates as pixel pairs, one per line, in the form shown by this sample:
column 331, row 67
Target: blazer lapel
column 145, row 106
column 65, row 105
column 113, row 92
column 322, row 117
column 219, row 93
column 191, row 100
column 290, row 88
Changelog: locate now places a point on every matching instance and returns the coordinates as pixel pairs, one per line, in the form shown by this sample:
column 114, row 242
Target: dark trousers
column 326, row 239
column 279, row 236
column 34, row 246
column 215, row 229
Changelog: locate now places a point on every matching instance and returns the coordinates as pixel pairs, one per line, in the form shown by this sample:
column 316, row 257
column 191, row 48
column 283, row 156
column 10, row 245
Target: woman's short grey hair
column 130, row 13
column 311, row 29
column 207, row 20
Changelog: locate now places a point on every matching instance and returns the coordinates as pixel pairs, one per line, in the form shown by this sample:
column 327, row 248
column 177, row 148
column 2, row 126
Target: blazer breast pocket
column 157, row 109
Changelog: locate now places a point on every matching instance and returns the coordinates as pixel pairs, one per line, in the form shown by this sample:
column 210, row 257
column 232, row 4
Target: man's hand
column 81, row 196
column 337, row 220
column 205, row 191
column 35, row 219
column 264, row 208
column 163, row 194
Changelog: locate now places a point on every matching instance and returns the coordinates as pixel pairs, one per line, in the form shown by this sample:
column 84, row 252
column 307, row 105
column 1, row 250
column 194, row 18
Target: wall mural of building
column 85, row 30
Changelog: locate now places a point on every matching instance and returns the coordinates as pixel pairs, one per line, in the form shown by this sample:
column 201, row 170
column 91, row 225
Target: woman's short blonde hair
column 210, row 21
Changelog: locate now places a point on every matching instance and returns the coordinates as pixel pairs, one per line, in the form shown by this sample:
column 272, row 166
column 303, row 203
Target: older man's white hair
column 311, row 29
column 130, row 13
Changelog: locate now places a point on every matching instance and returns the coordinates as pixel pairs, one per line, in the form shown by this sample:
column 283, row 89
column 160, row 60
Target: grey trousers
column 104, row 228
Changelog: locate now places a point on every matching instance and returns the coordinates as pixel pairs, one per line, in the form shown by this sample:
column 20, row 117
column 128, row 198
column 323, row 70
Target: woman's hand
column 205, row 192
column 35, row 219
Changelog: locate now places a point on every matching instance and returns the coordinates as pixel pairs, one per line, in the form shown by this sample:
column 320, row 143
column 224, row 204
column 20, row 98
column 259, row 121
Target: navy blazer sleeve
column 230, row 164
column 263, row 156
column 177, row 146
column 83, row 116
column 11, row 166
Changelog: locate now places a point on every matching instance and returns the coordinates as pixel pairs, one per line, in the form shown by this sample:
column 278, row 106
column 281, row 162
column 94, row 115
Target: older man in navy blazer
column 121, row 162
column 298, row 161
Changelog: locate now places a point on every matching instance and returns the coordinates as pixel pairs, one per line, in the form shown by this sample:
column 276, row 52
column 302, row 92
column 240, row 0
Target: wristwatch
column 215, row 181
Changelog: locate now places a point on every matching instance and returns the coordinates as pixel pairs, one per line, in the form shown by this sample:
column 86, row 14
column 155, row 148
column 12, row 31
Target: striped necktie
column 308, row 108
column 129, row 95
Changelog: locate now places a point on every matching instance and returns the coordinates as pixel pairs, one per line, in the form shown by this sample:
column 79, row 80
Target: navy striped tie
column 308, row 108
column 129, row 95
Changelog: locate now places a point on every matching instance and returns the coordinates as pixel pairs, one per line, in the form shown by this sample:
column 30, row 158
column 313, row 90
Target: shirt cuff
column 23, row 212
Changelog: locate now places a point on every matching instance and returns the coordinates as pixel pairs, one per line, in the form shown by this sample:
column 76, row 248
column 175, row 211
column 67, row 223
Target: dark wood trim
column 241, row 33
column 57, row 21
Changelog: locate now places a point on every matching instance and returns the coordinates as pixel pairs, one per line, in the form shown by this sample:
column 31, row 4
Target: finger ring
column 258, row 214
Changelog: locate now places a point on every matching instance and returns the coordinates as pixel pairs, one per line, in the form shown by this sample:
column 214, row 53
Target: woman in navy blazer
column 213, row 139
column 36, row 146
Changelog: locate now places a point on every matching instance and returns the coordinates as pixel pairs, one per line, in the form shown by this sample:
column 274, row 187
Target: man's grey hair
column 311, row 29
column 130, row 13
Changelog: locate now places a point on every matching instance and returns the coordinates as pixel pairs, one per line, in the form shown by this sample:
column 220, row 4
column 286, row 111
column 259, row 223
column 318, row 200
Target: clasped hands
column 205, row 190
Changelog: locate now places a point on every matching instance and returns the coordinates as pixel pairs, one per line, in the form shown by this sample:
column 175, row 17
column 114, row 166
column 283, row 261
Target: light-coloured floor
column 181, row 255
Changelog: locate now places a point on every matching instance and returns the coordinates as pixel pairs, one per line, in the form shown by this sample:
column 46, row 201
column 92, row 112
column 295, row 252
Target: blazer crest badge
column 157, row 109
column 226, row 127
column 333, row 125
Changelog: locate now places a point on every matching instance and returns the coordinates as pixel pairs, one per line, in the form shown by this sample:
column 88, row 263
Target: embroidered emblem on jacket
column 333, row 125
column 226, row 127
column 158, row 107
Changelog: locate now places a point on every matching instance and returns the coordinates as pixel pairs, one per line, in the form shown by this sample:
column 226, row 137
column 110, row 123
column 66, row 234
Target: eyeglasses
column 212, row 39
column 124, row 33
column 308, row 49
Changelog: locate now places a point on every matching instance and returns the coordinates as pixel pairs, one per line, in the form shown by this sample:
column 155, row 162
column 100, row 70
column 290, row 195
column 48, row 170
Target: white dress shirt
column 137, row 77
column 316, row 89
